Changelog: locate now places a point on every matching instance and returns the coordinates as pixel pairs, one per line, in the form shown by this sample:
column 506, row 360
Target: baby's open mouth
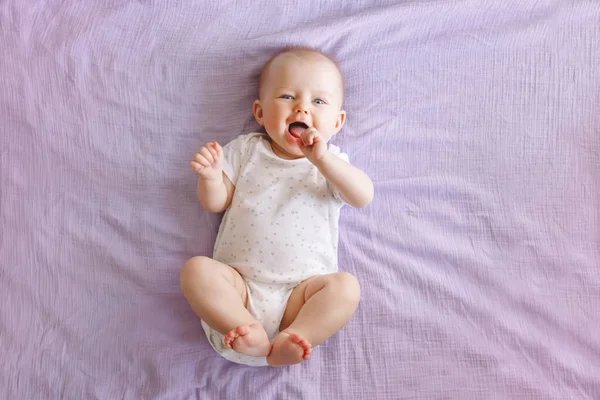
column 296, row 128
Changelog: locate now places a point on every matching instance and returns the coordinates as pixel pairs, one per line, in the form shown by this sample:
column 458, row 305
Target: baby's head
column 299, row 87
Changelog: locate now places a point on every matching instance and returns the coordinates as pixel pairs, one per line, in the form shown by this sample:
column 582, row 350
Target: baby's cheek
column 273, row 122
column 281, row 109
column 324, row 124
column 276, row 116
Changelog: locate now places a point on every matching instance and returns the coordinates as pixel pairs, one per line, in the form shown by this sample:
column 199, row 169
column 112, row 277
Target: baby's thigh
column 344, row 284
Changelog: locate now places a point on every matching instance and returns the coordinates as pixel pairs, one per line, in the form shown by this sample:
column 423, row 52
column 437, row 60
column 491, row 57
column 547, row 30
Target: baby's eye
column 319, row 101
column 287, row 97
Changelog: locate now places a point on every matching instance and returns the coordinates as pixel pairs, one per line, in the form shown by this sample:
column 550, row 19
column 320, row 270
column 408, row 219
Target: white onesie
column 280, row 229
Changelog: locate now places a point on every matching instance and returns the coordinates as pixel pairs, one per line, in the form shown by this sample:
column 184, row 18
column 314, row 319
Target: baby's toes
column 230, row 337
column 294, row 337
column 231, row 334
column 307, row 353
column 242, row 330
column 299, row 340
column 304, row 343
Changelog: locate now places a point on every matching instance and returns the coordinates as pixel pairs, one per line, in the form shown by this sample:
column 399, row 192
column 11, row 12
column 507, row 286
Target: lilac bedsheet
column 479, row 258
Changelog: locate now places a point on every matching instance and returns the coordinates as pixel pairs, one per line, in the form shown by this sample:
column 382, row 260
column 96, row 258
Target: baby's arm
column 214, row 189
column 215, row 196
column 353, row 184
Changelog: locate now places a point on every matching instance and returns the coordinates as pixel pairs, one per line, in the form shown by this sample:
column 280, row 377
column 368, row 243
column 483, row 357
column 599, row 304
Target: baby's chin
column 290, row 148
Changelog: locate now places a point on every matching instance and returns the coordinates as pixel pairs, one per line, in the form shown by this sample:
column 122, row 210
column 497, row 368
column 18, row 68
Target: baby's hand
column 312, row 144
column 208, row 161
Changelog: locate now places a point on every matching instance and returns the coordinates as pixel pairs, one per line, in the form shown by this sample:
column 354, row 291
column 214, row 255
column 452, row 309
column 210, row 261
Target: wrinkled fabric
column 478, row 259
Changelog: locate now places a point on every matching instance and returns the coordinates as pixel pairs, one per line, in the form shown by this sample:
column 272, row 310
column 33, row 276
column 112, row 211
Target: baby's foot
column 250, row 339
column 289, row 348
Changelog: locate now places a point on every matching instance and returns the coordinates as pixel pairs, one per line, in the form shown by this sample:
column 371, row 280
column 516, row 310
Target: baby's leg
column 217, row 294
column 318, row 308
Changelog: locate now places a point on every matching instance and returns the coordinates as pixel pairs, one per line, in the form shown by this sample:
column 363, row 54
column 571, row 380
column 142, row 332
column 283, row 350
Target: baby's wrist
column 325, row 160
column 209, row 181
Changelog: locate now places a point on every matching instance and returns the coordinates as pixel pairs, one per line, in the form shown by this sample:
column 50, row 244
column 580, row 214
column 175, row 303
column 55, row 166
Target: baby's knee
column 195, row 269
column 347, row 286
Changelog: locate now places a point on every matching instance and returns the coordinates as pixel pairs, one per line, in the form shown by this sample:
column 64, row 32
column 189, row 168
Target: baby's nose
column 301, row 109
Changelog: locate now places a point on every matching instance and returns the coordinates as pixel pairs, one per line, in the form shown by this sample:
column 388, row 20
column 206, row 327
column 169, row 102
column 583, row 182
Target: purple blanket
column 479, row 259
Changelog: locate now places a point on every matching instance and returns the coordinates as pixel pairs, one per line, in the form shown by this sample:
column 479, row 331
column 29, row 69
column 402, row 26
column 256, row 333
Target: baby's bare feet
column 250, row 339
column 289, row 348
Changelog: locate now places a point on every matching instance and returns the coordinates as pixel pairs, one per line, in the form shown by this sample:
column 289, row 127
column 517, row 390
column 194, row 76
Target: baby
column 272, row 290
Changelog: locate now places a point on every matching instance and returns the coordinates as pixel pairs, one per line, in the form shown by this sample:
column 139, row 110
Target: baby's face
column 303, row 90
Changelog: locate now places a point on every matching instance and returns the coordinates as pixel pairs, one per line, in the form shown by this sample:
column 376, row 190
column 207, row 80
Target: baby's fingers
column 195, row 166
column 219, row 151
column 211, row 148
column 200, row 159
column 308, row 136
column 205, row 152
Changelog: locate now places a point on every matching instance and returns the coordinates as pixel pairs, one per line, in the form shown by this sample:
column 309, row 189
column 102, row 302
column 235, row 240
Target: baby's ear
column 258, row 112
column 340, row 121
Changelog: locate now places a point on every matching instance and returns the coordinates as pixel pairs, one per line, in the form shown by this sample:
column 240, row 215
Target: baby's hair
column 301, row 50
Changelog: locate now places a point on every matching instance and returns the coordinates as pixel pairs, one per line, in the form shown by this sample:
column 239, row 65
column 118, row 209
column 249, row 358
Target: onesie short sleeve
column 235, row 154
column 337, row 152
